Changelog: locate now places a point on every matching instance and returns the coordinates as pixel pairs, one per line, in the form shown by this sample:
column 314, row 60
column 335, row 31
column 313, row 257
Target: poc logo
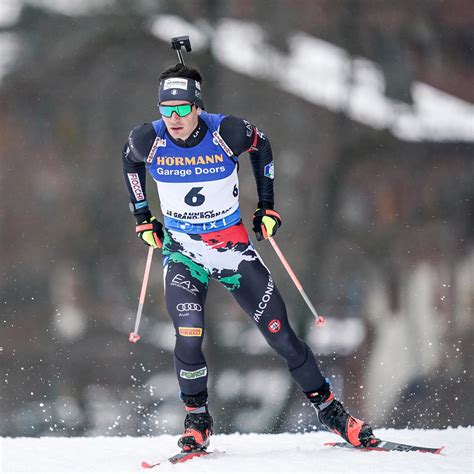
column 188, row 307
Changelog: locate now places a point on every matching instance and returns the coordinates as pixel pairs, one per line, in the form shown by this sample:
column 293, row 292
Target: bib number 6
column 193, row 198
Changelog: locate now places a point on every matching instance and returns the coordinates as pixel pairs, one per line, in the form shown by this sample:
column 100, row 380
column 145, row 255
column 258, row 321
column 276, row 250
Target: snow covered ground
column 243, row 453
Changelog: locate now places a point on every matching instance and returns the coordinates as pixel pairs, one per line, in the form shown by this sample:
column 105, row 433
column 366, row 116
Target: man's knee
column 189, row 343
column 285, row 343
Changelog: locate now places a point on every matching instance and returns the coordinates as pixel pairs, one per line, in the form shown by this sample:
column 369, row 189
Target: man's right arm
column 134, row 155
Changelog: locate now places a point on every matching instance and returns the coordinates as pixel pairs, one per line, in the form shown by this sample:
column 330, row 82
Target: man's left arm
column 240, row 135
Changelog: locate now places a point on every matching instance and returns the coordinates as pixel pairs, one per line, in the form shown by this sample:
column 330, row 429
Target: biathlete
column 192, row 156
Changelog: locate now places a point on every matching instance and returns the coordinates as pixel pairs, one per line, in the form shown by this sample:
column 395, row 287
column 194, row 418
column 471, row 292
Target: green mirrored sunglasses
column 181, row 110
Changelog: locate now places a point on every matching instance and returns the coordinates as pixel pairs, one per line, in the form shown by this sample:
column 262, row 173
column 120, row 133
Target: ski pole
column 319, row 320
column 134, row 336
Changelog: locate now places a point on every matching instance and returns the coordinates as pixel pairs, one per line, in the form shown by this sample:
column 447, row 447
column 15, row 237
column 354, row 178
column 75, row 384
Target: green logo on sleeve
column 195, row 374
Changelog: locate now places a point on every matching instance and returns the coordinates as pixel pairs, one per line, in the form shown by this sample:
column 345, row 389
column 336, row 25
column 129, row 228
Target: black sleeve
column 134, row 156
column 240, row 135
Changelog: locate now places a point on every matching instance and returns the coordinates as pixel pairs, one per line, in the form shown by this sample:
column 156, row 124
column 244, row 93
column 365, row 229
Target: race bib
column 200, row 201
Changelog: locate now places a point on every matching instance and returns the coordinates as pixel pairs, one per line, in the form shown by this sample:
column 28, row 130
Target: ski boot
column 198, row 424
column 335, row 418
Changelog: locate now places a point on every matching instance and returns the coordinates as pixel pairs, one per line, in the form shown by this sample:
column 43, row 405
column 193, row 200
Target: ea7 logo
column 260, row 134
column 181, row 282
column 249, row 128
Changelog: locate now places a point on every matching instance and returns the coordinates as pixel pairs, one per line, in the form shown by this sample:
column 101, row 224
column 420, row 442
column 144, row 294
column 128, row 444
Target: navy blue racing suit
column 205, row 238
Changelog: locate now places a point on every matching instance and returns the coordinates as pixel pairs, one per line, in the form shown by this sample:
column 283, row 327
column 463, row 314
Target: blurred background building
column 368, row 105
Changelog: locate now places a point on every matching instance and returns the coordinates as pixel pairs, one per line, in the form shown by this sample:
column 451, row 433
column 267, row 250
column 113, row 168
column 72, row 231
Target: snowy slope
column 243, row 453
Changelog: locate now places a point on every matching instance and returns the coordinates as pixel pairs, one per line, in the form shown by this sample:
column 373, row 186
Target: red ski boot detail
column 356, row 432
column 353, row 428
column 194, row 439
column 335, row 418
column 197, row 431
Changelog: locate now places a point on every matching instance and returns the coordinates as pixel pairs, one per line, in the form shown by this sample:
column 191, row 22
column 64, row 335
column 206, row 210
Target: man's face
column 181, row 127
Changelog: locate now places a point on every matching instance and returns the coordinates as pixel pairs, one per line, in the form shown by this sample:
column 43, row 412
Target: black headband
column 181, row 88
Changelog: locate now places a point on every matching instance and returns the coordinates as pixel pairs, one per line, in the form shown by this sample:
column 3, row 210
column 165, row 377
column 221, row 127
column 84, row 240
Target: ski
column 181, row 457
column 186, row 456
column 388, row 446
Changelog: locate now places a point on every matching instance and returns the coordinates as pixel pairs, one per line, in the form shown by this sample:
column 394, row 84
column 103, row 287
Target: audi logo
column 189, row 307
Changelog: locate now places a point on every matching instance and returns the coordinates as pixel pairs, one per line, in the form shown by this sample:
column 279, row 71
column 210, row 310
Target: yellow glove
column 150, row 230
column 266, row 223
